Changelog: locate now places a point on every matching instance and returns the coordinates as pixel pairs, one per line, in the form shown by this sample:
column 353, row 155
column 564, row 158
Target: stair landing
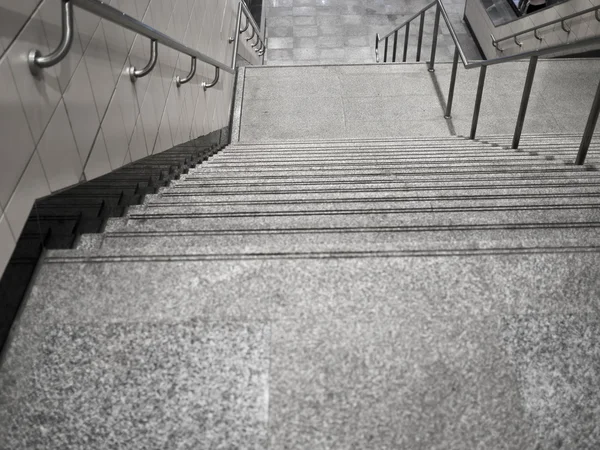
column 399, row 100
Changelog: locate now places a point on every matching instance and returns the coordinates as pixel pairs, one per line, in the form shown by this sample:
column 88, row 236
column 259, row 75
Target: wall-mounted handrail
column 105, row 11
column 101, row 9
column 483, row 64
column 253, row 23
column 535, row 29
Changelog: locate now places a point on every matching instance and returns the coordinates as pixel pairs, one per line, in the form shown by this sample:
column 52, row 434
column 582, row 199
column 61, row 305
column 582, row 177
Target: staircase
column 418, row 292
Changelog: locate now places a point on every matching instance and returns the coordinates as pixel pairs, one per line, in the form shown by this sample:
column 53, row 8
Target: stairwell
column 334, row 278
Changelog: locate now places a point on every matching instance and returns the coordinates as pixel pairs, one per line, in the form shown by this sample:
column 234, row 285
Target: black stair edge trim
column 63, row 230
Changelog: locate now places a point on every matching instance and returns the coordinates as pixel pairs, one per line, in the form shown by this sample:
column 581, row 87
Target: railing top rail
column 430, row 5
column 552, row 22
column 112, row 14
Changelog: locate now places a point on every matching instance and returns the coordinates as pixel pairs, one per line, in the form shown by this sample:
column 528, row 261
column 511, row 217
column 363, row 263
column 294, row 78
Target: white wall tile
column 58, row 151
column 98, row 163
column 32, row 185
column 141, row 7
column 117, row 47
column 164, row 131
column 99, row 71
column 13, row 15
column 128, row 7
column 40, row 94
column 82, row 111
column 125, row 95
column 16, row 146
column 149, row 121
column 7, row 242
column 114, row 134
column 138, row 147
column 87, row 24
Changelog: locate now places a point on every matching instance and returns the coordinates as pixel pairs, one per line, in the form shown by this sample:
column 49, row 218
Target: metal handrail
column 432, row 4
column 395, row 33
column 105, row 11
column 533, row 56
column 562, row 20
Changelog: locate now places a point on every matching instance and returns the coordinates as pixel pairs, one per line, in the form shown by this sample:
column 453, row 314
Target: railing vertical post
column 436, row 26
column 448, row 114
column 420, row 41
column 406, row 34
column 385, row 50
column 395, row 46
column 524, row 101
column 589, row 129
column 236, row 41
column 478, row 101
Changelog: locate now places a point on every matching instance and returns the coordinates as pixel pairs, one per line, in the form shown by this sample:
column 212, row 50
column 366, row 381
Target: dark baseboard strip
column 57, row 221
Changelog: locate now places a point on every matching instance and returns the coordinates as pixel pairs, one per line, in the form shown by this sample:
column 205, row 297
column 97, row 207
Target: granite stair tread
column 277, row 276
column 343, row 241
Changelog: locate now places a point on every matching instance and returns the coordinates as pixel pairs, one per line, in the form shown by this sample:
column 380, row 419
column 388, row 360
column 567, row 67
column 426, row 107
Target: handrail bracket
column 134, row 73
column 179, row 81
column 36, row 61
column 214, row 82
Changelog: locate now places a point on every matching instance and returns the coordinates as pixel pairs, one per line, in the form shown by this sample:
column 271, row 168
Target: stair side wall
column 84, row 117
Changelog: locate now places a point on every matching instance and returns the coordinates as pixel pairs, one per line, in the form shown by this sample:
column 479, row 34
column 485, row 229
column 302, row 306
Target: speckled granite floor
column 382, row 293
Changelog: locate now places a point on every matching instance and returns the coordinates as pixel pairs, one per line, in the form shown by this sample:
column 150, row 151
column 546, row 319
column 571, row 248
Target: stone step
column 374, row 163
column 445, row 157
column 327, row 206
column 353, row 140
column 242, row 198
column 477, row 281
column 317, row 148
column 481, row 153
column 380, row 184
column 375, row 217
column 282, row 183
column 483, row 143
column 422, row 172
column 347, row 240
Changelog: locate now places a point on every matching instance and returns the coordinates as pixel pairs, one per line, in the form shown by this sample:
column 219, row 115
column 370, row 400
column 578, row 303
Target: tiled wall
column 582, row 27
column 84, row 117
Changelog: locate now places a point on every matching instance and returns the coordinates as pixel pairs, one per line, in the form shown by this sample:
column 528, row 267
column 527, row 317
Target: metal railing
column 37, row 61
column 533, row 56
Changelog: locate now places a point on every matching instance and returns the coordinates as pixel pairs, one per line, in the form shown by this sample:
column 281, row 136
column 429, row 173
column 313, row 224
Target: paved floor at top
column 343, row 31
column 394, row 100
